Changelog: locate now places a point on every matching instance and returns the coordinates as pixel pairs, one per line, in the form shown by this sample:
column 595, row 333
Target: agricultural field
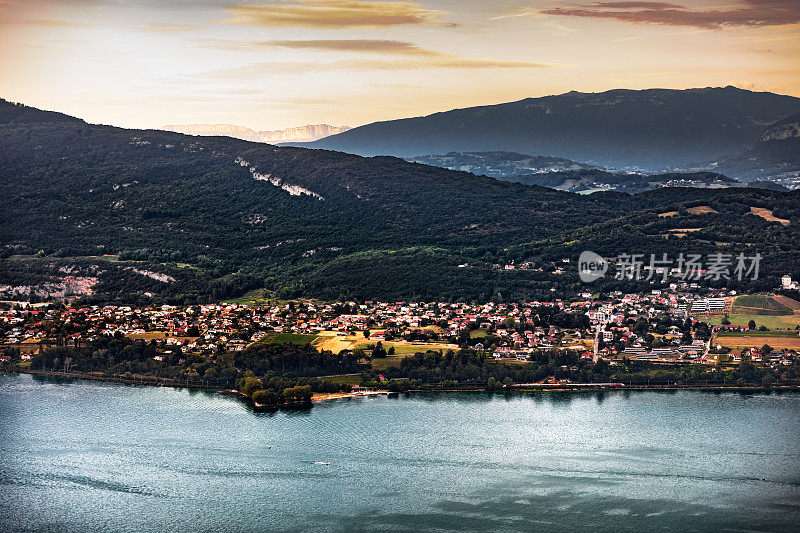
column 287, row 338
column 760, row 304
column 773, row 312
column 330, row 340
column 794, row 305
column 738, row 342
column 770, row 322
column 756, row 333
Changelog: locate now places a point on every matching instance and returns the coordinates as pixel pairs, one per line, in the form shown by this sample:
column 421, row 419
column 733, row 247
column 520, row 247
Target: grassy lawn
column 343, row 380
column 383, row 363
column 287, row 338
column 478, row 333
column 405, row 349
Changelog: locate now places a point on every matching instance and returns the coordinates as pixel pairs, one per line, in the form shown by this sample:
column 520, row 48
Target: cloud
column 749, row 13
column 166, row 27
column 57, row 23
column 634, row 5
column 358, row 45
column 444, row 61
column 331, row 14
column 372, row 46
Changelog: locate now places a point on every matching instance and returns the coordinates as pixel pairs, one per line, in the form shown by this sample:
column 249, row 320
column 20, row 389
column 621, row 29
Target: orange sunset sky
column 276, row 64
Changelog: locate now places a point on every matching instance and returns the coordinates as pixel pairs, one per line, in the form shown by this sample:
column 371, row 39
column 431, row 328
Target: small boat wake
column 322, row 462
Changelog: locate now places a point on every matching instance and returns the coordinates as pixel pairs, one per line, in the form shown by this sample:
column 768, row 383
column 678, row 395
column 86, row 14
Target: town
column 675, row 326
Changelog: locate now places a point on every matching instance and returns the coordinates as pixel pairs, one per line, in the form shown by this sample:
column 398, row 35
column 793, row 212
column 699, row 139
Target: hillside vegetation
column 143, row 215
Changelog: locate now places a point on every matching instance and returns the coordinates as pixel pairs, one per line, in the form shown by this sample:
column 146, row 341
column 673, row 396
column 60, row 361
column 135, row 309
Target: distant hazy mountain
column 775, row 156
column 311, row 132
column 649, row 129
column 499, row 164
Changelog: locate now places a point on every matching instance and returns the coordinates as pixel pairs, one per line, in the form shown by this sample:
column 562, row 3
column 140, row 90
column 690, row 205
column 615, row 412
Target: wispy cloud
column 358, row 45
column 442, row 61
column 749, row 13
column 372, row 46
column 331, row 14
column 166, row 27
column 57, row 23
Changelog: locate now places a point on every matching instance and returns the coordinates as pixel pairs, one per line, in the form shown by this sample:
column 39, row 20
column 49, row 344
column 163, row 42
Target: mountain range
column 149, row 215
column 653, row 129
column 310, row 132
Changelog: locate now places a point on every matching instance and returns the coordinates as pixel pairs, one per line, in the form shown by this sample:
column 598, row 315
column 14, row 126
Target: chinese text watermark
column 661, row 267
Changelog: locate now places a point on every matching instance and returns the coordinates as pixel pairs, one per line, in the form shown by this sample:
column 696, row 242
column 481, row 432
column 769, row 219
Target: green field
column 754, row 333
column 287, row 338
column 770, row 321
column 414, row 348
column 760, row 304
column 255, row 297
column 349, row 379
column 382, row 363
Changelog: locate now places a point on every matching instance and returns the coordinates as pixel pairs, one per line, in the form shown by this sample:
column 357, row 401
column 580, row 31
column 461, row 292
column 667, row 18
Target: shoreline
column 327, row 397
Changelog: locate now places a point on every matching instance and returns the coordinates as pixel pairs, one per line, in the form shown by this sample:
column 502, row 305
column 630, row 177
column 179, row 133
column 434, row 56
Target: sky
column 276, row 64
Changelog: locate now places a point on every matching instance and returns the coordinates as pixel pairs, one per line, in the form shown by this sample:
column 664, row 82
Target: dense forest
column 150, row 216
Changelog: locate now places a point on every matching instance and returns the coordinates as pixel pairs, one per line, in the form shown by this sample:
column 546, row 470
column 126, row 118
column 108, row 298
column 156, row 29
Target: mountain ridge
column 650, row 129
column 147, row 215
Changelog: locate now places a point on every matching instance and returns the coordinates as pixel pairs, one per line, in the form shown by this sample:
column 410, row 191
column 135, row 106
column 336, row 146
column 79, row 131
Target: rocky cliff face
column 785, row 129
column 311, row 132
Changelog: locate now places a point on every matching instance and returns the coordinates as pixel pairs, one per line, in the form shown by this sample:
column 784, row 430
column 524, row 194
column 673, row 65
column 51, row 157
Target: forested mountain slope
column 158, row 215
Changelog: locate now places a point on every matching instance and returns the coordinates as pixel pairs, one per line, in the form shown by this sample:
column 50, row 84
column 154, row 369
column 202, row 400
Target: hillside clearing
column 702, row 210
column 766, row 214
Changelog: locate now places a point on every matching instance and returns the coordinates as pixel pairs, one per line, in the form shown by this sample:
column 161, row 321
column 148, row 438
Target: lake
column 90, row 456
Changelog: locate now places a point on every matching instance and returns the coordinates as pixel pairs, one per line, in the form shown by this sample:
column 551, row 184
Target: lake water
column 88, row 456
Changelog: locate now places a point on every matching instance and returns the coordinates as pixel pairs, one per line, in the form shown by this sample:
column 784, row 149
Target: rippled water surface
column 88, row 456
